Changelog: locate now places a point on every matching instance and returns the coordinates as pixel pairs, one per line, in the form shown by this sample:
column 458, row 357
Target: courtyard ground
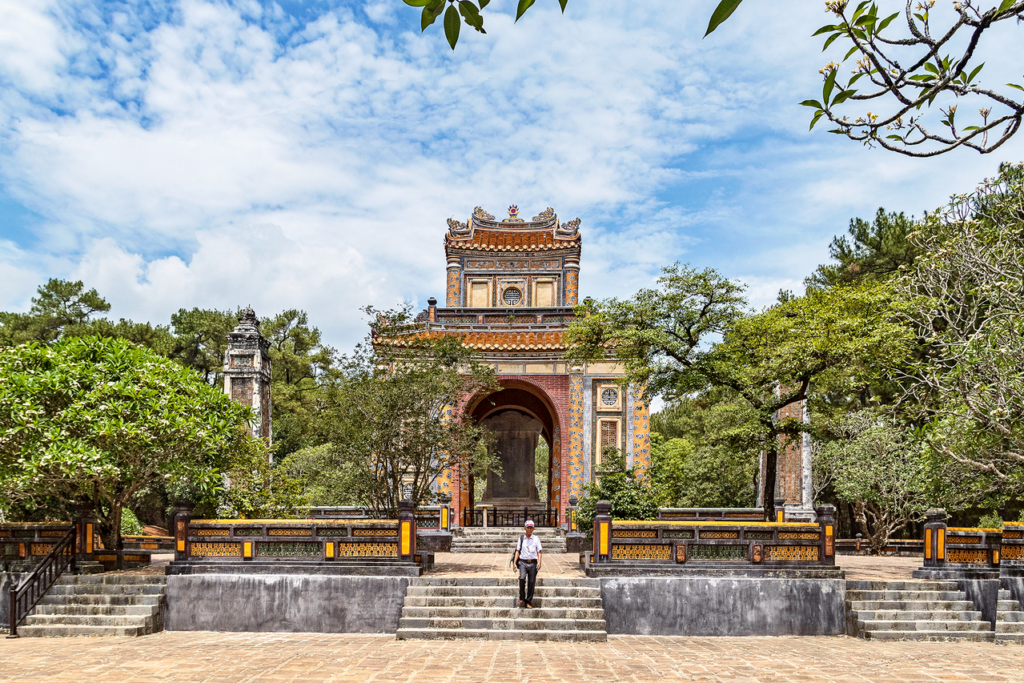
column 236, row 657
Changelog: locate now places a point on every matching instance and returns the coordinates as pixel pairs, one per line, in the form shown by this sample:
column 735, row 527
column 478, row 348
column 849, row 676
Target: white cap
column 529, row 522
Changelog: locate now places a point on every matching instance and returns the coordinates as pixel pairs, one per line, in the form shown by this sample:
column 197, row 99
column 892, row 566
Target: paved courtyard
column 236, row 657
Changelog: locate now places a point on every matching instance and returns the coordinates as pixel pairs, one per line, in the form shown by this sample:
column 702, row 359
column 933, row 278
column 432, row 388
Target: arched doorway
column 521, row 416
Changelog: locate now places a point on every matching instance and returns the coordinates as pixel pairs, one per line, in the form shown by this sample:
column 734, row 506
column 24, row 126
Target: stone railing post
column 780, row 510
column 935, row 538
column 827, row 522
column 406, row 531
column 444, row 520
column 603, row 531
column 182, row 517
column 85, row 530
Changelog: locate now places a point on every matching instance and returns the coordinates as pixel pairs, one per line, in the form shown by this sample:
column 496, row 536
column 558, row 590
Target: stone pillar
column 827, row 522
column 453, row 295
column 85, row 527
column 780, row 510
column 517, row 436
column 406, row 531
column 247, row 371
column 935, row 538
column 603, row 532
column 182, row 517
column 574, row 485
column 572, row 280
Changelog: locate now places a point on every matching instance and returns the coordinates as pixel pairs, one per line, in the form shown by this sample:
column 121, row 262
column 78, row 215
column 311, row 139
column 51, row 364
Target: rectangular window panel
column 478, row 295
column 545, row 294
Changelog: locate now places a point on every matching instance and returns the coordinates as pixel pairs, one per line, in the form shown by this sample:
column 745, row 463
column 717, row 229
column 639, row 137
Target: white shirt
column 529, row 547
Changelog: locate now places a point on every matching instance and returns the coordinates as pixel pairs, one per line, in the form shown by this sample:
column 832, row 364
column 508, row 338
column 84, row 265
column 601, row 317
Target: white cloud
column 228, row 154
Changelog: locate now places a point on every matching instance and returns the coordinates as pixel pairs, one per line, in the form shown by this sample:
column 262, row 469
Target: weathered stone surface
column 516, row 435
column 712, row 606
column 319, row 604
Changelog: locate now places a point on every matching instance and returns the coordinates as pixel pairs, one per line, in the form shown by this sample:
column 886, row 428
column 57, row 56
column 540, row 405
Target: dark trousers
column 527, row 570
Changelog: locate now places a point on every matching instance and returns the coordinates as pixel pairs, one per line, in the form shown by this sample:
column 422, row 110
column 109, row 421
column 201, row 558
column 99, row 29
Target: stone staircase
column 1009, row 619
column 483, row 608
column 913, row 610
column 503, row 539
column 99, row 605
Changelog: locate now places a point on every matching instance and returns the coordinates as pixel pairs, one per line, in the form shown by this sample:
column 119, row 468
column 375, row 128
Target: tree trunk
column 771, row 466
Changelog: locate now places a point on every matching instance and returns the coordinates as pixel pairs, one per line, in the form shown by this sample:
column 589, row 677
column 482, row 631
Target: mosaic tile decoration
column 453, row 294
column 967, row 540
column 554, row 495
column 797, row 536
column 211, row 532
column 1013, row 535
column 367, row 550
column 299, row 549
column 677, row 534
column 216, row 550
column 966, row 556
column 641, row 436
column 375, row 532
column 248, row 532
column 759, row 535
column 52, row 534
column 41, row 548
column 791, row 553
column 641, row 552
column 572, row 284
column 575, row 435
column 446, row 478
column 1013, row 552
column 719, row 534
column 641, row 533
column 289, row 532
column 725, row 553
column 332, row 532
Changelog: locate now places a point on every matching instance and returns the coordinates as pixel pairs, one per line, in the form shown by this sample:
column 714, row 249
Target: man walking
column 528, row 561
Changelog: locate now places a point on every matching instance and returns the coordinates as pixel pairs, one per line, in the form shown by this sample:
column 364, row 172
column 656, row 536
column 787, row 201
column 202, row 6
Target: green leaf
column 1005, row 4
column 886, row 22
column 824, row 29
column 722, row 12
column 452, row 24
column 830, row 83
column 972, row 128
column 1014, row 85
column 426, row 19
column 563, row 3
column 811, row 103
column 931, row 67
column 843, row 96
column 894, row 137
column 838, row 131
column 472, row 15
column 922, row 77
column 417, row 3
column 852, row 50
column 523, row 6
column 484, row 3
column 831, row 39
column 814, row 120
column 856, row 77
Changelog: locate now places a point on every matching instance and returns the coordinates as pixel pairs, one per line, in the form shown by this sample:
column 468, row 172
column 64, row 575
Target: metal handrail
column 25, row 596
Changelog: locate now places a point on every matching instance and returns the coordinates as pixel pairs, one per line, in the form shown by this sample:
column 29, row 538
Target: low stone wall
column 292, row 603
column 719, row 606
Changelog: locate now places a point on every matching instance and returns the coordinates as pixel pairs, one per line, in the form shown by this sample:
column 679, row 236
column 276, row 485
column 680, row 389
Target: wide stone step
column 111, row 579
column 1007, row 605
column 918, row 615
column 905, row 595
column 49, row 599
column 931, row 636
column 930, row 625
column 902, row 585
column 108, row 589
column 75, row 631
column 1010, row 638
column 911, row 605
column 498, row 591
column 487, row 634
column 1009, row 626
column 507, row 581
column 504, row 601
column 501, row 613
column 112, row 610
column 87, row 620
column 1009, row 616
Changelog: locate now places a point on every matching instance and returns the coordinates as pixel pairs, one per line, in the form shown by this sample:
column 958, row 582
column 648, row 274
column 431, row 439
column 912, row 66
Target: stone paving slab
column 878, row 568
column 198, row 657
column 496, row 564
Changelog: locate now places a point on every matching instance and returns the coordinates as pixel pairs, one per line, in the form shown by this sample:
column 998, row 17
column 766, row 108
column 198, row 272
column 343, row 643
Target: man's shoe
column 529, row 606
column 522, row 603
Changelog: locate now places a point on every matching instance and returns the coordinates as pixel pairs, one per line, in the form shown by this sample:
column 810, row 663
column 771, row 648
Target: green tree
column 390, row 424
column 827, row 341
column 872, row 252
column 201, row 339
column 630, row 496
column 965, row 297
column 58, row 305
column 101, row 420
column 878, row 465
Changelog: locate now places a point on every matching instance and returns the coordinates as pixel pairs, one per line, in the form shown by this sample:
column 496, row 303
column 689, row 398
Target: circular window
column 512, row 296
column 609, row 397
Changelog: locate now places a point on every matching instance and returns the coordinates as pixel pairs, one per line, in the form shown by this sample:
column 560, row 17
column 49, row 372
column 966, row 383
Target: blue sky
column 307, row 154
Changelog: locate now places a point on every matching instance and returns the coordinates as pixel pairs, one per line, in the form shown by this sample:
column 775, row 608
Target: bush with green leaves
column 631, row 497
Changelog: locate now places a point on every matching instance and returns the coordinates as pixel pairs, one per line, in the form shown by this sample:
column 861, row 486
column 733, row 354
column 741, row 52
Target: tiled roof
column 513, row 240
column 497, row 341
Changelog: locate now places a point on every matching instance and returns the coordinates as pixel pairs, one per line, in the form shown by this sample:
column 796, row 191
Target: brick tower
column 511, row 288
column 247, row 371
